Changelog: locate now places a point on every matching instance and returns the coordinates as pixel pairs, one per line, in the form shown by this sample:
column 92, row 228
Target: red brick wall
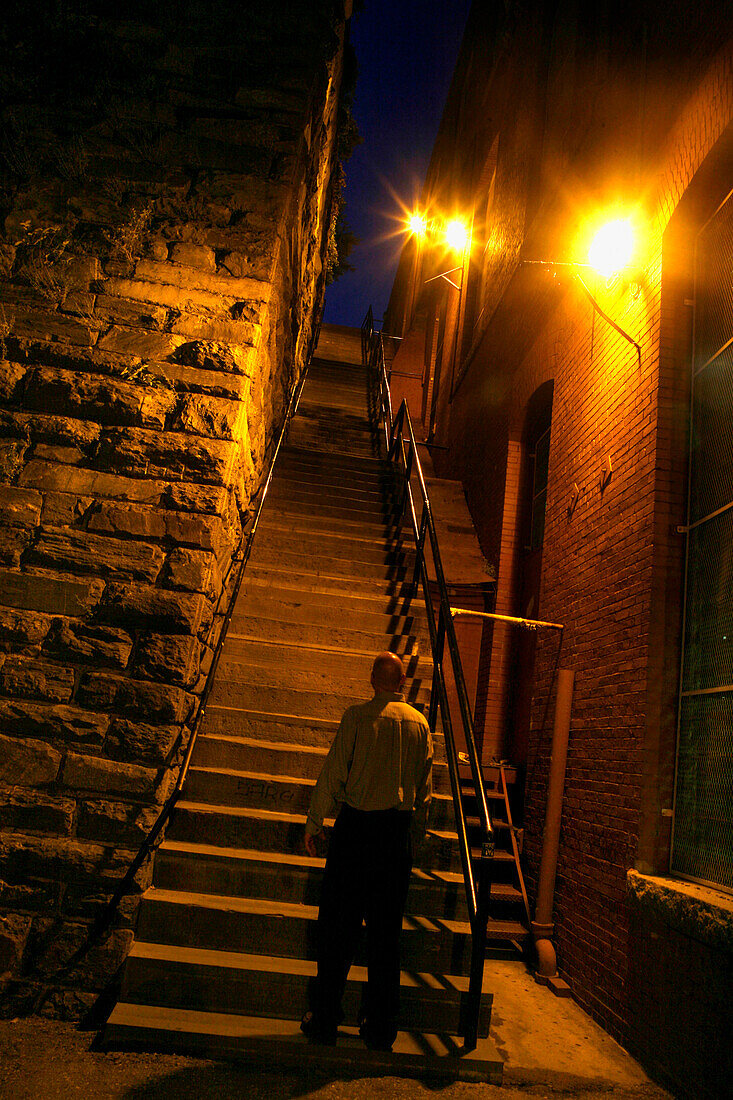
column 612, row 565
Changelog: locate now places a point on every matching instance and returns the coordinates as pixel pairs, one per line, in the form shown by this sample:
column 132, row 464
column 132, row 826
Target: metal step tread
column 280, row 1042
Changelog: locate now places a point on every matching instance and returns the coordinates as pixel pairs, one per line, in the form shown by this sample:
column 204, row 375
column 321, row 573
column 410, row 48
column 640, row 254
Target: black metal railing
column 402, row 451
column 236, row 568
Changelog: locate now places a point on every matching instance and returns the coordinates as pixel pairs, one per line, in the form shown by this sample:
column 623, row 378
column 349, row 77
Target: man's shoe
column 373, row 1040
column 317, row 1032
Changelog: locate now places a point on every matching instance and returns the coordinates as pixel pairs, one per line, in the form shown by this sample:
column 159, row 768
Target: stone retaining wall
column 165, row 190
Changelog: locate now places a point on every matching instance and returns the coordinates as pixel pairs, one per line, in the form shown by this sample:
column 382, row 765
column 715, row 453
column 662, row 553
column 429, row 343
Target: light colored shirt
column 381, row 758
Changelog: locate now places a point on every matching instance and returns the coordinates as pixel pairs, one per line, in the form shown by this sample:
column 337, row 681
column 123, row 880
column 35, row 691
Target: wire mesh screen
column 703, row 838
column 712, row 438
column 703, row 827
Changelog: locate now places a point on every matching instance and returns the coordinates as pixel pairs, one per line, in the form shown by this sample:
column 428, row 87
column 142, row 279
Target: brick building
column 561, row 398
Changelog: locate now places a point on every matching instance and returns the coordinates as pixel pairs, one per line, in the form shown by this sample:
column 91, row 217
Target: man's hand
column 311, row 846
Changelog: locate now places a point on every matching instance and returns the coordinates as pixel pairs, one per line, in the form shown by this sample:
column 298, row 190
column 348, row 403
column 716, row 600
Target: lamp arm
column 605, row 316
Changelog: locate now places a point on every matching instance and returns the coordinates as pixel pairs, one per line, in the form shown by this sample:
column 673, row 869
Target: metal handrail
column 247, row 538
column 402, row 449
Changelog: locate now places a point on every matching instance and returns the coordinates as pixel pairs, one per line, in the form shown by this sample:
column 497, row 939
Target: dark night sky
column 406, row 51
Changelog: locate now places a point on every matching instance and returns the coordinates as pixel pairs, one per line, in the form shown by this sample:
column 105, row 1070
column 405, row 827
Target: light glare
column 612, row 247
column 456, row 235
column 417, row 224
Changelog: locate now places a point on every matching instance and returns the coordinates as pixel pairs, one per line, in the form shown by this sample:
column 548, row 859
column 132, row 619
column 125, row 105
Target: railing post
column 477, row 892
column 437, row 661
column 405, row 491
column 396, row 432
column 478, row 947
column 420, row 554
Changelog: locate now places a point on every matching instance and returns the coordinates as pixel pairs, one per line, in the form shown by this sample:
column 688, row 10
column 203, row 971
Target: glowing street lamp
column 456, row 235
column 611, row 252
column 612, row 247
column 417, row 224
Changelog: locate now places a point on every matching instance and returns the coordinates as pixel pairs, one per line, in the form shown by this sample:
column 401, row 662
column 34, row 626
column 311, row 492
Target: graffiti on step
column 260, row 789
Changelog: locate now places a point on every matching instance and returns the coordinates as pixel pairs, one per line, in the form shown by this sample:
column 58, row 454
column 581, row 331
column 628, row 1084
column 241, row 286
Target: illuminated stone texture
column 166, row 194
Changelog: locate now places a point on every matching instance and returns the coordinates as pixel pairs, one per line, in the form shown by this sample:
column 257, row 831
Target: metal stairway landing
column 224, row 945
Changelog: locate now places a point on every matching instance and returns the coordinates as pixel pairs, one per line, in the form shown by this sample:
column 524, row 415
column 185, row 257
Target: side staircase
column 224, row 946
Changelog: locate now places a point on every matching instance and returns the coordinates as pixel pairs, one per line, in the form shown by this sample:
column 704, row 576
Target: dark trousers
column 366, row 879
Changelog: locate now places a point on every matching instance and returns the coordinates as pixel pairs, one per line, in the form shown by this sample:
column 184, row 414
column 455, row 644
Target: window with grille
column 702, row 846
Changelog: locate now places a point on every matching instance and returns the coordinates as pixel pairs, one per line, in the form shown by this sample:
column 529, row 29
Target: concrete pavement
column 551, row 1049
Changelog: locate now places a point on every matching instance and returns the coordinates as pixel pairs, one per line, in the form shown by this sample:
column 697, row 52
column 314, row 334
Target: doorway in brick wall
column 531, row 520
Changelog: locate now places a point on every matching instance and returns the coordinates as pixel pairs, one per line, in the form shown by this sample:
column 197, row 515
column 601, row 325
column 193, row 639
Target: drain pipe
column 543, row 925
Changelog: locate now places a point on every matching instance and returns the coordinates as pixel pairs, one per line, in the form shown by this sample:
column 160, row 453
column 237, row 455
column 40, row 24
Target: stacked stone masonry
column 165, row 194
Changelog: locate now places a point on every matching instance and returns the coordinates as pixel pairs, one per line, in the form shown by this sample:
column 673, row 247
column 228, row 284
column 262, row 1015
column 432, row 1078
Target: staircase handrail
column 246, row 540
column 402, row 448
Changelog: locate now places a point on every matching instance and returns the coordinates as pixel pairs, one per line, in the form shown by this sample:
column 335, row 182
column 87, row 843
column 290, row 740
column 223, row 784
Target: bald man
column 378, row 775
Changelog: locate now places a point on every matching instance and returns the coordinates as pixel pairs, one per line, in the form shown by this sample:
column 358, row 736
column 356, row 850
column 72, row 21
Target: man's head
column 388, row 673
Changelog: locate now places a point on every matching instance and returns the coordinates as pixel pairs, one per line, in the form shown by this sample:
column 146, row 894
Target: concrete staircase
column 224, row 944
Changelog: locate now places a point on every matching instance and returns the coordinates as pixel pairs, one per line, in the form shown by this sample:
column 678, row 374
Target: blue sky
column 406, row 50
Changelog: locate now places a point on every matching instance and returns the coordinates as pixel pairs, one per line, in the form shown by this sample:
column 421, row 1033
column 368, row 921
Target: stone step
column 327, row 547
column 286, row 876
column 320, row 580
column 355, row 445
column 306, row 476
column 331, row 563
column 256, row 790
column 250, row 754
column 282, row 831
column 375, row 529
column 370, row 497
column 312, row 669
column 330, row 422
column 304, row 504
column 359, row 465
column 335, row 394
column 281, row 700
column 303, row 596
column 348, row 374
column 286, row 929
column 310, row 408
column 310, row 476
column 310, row 666
column 264, row 985
column 260, row 1041
column 309, row 608
column 290, row 728
column 341, row 634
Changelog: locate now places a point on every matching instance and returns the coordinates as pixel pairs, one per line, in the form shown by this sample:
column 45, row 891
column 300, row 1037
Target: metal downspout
column 543, row 925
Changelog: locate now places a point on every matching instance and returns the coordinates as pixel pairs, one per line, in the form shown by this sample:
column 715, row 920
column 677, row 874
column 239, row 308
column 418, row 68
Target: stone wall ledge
column 177, row 495
column 52, row 595
column 700, row 912
column 183, row 277
column 172, row 297
column 111, row 401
